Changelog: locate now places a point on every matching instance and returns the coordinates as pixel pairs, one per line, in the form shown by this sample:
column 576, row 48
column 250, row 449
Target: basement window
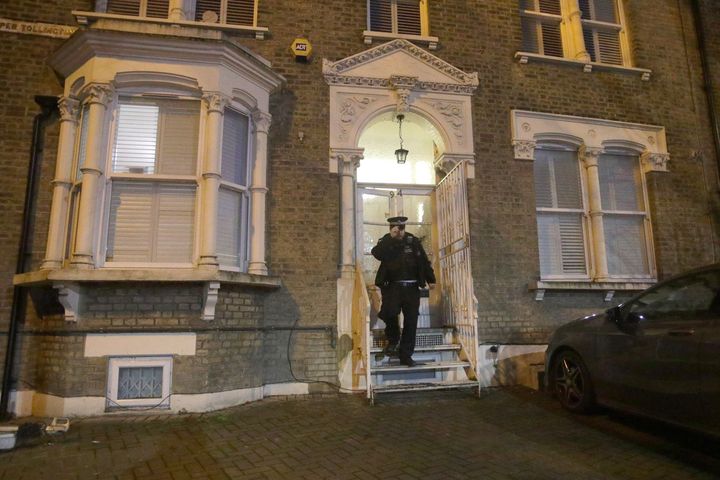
column 135, row 382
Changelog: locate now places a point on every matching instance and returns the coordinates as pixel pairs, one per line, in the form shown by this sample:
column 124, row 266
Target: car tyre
column 571, row 382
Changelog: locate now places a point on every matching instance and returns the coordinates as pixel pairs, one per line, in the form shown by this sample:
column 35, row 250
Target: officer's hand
column 431, row 286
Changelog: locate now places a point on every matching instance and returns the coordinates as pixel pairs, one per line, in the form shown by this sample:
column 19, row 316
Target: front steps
column 439, row 366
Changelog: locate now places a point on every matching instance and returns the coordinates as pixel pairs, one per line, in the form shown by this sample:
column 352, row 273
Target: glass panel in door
column 377, row 204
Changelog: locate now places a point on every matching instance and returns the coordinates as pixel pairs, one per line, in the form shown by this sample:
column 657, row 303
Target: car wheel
column 571, row 382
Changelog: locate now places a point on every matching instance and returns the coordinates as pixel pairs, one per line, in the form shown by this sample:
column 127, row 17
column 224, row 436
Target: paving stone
column 505, row 434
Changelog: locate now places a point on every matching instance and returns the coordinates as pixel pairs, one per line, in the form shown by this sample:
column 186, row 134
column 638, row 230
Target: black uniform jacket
column 388, row 249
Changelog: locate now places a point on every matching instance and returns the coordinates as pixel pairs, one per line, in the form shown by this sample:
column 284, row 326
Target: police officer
column 404, row 270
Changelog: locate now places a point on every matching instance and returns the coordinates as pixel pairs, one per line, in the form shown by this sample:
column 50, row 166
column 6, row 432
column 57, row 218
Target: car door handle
column 681, row 333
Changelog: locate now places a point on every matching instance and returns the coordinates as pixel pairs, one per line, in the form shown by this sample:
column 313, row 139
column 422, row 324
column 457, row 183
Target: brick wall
column 303, row 202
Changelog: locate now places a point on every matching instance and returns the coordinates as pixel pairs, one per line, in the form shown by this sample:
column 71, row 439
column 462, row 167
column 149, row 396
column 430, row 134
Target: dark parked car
column 657, row 355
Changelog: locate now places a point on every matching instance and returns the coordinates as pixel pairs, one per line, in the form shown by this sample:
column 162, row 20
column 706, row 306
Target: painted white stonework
column 493, row 366
column 395, row 77
column 129, row 344
column 28, row 402
column 593, row 134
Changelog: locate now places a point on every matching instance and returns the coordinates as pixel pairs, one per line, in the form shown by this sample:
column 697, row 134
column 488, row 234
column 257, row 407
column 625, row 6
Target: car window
column 692, row 294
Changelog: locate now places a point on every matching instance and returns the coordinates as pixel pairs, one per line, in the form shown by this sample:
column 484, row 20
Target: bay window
column 153, row 177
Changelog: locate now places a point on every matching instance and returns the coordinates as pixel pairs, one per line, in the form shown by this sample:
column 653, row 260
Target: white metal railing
column 459, row 302
column 362, row 335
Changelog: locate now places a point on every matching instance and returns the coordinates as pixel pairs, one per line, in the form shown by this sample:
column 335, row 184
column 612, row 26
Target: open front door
column 459, row 302
column 376, row 204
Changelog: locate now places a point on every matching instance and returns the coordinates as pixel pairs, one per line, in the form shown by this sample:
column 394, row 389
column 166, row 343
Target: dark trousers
column 397, row 297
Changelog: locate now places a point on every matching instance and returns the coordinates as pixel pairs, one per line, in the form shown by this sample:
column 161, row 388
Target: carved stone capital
column 448, row 161
column 98, row 93
column 655, row 162
column 524, row 149
column 346, row 160
column 69, row 109
column 589, row 155
column 215, row 102
column 262, row 121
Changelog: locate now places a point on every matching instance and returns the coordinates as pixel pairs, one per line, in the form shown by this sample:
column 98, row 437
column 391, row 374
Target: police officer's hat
column 397, row 221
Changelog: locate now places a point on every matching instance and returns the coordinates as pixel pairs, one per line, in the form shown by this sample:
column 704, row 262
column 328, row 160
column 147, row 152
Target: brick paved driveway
column 507, row 433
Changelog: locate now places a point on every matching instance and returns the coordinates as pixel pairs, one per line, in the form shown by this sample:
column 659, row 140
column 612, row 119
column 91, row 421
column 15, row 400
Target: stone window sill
column 430, row 42
column 587, row 67
column 85, row 18
column 608, row 287
column 69, row 283
column 165, row 275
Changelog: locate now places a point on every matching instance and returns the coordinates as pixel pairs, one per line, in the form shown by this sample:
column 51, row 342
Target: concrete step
column 415, row 387
column 431, row 348
column 394, row 367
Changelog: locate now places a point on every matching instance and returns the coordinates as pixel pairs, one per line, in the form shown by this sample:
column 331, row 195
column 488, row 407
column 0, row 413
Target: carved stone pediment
column 384, row 66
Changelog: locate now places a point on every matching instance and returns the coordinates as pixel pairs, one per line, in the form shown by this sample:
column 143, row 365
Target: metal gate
column 459, row 302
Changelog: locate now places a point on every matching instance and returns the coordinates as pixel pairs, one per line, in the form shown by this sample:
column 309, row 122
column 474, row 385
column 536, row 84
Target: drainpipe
column 49, row 111
column 708, row 80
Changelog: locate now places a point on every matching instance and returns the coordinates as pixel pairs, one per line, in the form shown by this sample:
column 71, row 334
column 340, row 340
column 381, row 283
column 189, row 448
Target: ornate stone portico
column 395, row 77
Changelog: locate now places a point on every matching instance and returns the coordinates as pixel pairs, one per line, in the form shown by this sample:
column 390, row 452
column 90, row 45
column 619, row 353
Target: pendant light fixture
column 401, row 154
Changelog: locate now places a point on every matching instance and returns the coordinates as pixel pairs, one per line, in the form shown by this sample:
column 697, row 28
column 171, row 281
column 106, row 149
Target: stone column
column 258, row 194
column 97, row 97
column 589, row 156
column 348, row 160
column 178, row 10
column 574, row 32
column 210, row 188
column 62, row 183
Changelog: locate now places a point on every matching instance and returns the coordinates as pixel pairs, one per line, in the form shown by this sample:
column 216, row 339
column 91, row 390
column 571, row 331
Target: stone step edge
column 406, row 387
column 418, row 367
column 427, row 348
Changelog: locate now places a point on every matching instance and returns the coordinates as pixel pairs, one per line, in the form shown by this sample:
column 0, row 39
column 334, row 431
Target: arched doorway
column 386, row 188
column 367, row 91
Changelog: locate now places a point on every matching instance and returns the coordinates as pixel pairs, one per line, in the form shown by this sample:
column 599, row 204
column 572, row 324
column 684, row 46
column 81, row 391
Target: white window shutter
column 178, row 137
column 380, row 15
column 620, row 183
column 130, row 228
column 175, row 205
column 82, row 144
column 240, row 12
column 561, row 240
column 229, row 227
column 408, row 17
column 135, row 138
column 157, row 8
column 235, row 147
column 625, row 245
column 202, row 6
column 124, row 7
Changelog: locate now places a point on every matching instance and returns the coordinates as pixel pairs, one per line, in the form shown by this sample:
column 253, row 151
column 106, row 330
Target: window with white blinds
column 624, row 214
column 559, row 204
column 232, row 12
column 156, row 136
column 566, row 239
column 139, row 8
column 151, row 222
column 151, row 217
column 396, row 16
column 233, row 196
column 543, row 33
column 541, row 21
column 601, row 30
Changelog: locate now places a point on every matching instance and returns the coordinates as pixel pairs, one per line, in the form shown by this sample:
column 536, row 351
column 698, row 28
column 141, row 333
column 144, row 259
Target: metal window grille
column 140, row 382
